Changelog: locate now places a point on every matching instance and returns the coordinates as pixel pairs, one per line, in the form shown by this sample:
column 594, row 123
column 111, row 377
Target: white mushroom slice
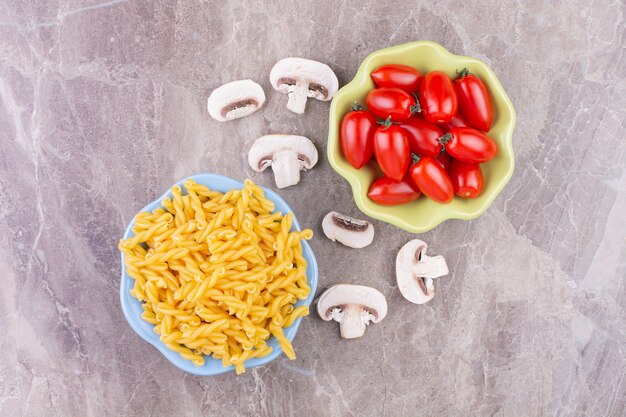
column 303, row 78
column 286, row 154
column 347, row 230
column 415, row 271
column 353, row 306
column 235, row 99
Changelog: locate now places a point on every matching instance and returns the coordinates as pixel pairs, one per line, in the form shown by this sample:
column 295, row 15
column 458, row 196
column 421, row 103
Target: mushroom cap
column 235, row 99
column 415, row 271
column 262, row 150
column 307, row 69
column 341, row 295
column 347, row 230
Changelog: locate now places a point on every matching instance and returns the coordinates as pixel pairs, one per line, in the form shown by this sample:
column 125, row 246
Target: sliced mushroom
column 353, row 306
column 286, row 154
column 415, row 271
column 347, row 230
column 235, row 99
column 303, row 78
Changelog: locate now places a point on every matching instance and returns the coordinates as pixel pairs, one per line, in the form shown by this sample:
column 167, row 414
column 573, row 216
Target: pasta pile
column 218, row 273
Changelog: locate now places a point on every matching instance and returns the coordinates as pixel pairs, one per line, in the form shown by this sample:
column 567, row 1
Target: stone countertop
column 103, row 106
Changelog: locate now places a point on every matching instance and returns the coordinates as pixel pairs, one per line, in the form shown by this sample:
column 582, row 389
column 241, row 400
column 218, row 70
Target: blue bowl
column 132, row 307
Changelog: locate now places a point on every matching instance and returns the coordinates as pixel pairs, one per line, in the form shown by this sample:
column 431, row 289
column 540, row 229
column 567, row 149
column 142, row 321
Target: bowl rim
column 350, row 174
column 138, row 324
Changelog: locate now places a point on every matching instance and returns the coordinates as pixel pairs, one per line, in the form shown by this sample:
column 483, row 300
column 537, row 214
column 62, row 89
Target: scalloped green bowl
column 424, row 214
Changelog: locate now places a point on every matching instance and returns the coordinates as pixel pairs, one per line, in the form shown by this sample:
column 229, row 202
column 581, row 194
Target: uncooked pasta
column 218, row 273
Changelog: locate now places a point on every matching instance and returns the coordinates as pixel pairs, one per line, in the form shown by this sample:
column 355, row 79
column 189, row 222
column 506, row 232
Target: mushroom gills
column 318, row 91
column 304, row 159
column 264, row 163
column 286, row 82
column 240, row 109
column 426, row 284
column 349, row 223
column 347, row 230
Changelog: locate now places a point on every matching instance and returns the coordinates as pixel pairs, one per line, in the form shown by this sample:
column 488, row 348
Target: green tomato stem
column 445, row 138
column 463, row 73
column 386, row 123
column 416, row 108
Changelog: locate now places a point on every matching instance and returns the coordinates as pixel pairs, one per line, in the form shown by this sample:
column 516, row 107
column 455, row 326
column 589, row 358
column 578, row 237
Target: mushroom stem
column 286, row 168
column 298, row 97
column 431, row 267
column 353, row 322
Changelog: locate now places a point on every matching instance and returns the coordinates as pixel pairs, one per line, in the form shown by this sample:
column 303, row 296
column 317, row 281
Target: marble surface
column 102, row 107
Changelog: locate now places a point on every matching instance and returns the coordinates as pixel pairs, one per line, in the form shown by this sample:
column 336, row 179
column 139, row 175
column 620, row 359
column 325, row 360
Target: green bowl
column 423, row 214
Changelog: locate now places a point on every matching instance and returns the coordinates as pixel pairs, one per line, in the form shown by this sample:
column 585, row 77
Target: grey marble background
column 102, row 107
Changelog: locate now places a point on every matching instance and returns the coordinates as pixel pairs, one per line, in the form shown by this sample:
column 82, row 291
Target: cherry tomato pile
column 425, row 132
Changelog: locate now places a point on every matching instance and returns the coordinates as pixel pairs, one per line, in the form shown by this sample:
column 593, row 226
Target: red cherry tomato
column 392, row 151
column 458, row 120
column 423, row 136
column 432, row 180
column 437, row 97
column 388, row 192
column 474, row 101
column 467, row 179
column 401, row 76
column 357, row 135
column 444, row 160
column 469, row 145
column 390, row 102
